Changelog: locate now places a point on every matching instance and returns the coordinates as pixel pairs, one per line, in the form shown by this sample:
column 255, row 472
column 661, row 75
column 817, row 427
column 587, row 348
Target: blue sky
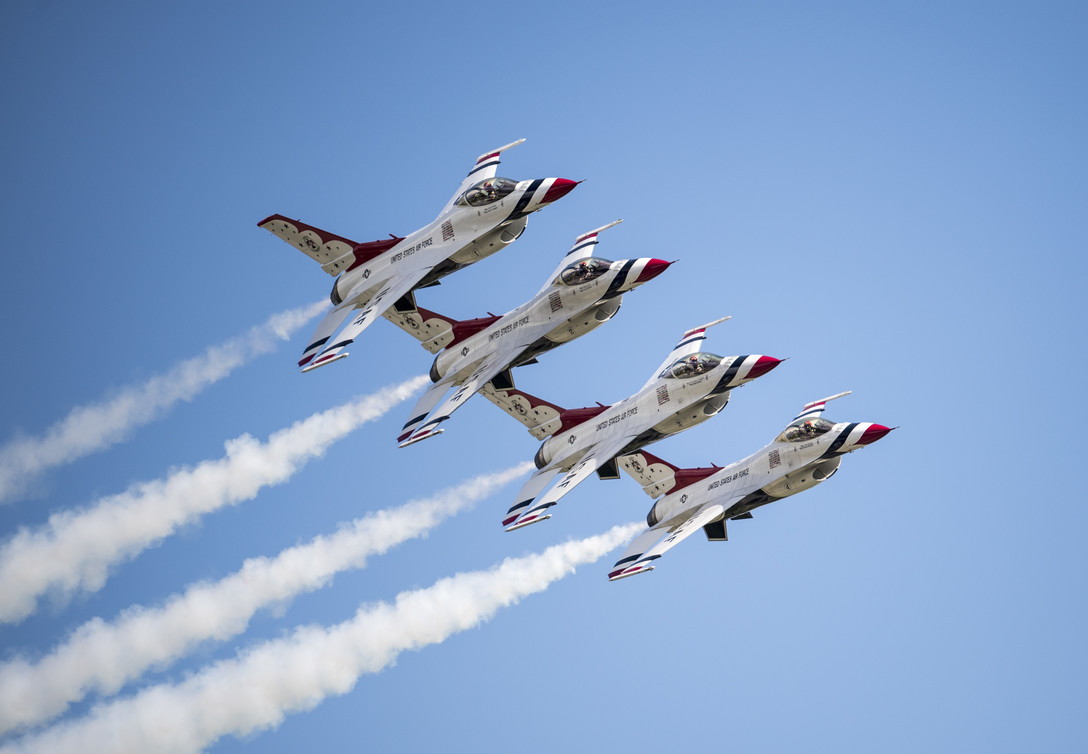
column 891, row 196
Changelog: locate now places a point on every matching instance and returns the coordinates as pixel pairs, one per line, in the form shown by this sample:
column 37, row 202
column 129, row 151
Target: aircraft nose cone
column 652, row 269
column 560, row 188
column 762, row 366
column 873, row 433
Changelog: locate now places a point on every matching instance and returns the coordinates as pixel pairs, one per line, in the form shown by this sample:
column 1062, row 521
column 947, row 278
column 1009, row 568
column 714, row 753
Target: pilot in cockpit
column 805, row 430
column 584, row 270
column 487, row 191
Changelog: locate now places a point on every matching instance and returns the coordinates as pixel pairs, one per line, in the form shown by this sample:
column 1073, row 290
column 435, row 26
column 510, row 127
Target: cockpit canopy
column 584, row 270
column 487, row 192
column 692, row 366
column 805, row 429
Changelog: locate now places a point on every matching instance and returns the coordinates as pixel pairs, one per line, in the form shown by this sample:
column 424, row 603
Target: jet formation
column 486, row 214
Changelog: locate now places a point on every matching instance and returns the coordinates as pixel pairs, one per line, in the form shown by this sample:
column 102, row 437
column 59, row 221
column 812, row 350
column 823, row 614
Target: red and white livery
column 688, row 388
column 805, row 453
column 485, row 214
column 583, row 292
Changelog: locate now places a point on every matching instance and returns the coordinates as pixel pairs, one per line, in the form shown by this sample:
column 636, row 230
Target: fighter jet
column 688, row 388
column 485, row 214
column 806, row 453
column 583, row 292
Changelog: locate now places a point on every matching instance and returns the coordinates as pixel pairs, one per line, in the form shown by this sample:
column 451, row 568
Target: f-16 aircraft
column 806, row 453
column 688, row 388
column 485, row 214
column 582, row 293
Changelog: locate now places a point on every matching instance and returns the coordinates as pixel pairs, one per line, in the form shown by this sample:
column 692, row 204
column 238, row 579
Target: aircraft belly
column 461, row 374
column 641, row 440
column 567, row 462
column 748, row 503
column 678, row 421
column 534, row 349
column 361, row 294
column 440, row 271
column 488, row 238
column 575, row 327
column 675, row 521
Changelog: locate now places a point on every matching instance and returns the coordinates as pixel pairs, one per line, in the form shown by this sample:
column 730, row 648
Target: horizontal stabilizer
column 433, row 330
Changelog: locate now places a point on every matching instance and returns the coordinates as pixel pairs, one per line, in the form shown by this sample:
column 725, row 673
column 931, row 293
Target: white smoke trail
column 104, row 656
column 92, row 428
column 76, row 548
column 297, row 672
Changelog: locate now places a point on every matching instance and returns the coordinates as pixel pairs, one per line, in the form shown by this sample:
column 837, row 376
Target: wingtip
column 523, row 524
column 413, row 439
column 325, row 362
column 623, row 574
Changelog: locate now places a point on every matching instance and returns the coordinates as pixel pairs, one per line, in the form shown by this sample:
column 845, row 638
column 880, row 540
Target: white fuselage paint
column 482, row 231
column 667, row 406
column 571, row 309
column 779, row 469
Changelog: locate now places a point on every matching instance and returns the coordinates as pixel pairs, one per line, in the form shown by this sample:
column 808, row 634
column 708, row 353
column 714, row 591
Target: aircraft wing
column 433, row 331
column 539, row 417
column 334, row 253
column 485, row 167
column 390, row 292
column 594, row 459
column 689, row 344
column 656, row 475
column 658, row 540
column 488, row 368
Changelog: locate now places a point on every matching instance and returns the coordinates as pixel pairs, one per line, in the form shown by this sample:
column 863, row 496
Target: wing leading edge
column 489, row 367
column 594, row 459
column 656, row 541
column 392, row 291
